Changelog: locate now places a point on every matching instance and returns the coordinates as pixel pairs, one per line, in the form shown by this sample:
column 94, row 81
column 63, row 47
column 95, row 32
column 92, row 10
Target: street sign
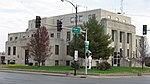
column 76, row 30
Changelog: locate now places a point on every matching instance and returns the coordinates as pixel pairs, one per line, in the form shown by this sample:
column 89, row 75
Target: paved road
column 16, row 78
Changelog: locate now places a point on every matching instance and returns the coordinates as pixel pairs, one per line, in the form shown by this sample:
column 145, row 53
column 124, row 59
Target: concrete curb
column 70, row 74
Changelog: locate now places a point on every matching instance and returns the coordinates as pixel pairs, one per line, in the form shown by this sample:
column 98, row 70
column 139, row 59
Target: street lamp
column 75, row 36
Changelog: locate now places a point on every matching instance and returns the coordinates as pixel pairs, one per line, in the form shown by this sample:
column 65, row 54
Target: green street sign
column 76, row 30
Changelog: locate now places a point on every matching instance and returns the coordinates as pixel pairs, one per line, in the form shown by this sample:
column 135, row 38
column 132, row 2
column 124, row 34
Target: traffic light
column 59, row 25
column 37, row 22
column 144, row 29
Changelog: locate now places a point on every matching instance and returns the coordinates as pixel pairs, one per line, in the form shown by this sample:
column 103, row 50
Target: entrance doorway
column 116, row 59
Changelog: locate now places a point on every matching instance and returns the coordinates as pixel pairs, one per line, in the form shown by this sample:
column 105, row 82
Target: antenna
column 121, row 8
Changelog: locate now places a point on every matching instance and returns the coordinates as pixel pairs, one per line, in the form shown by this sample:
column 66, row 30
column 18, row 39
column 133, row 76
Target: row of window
column 117, row 19
column 80, row 18
column 11, row 38
column 121, row 36
column 120, row 54
column 14, row 50
column 58, row 35
column 57, row 50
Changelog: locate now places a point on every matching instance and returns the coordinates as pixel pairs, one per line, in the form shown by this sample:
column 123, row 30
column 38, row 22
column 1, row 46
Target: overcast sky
column 14, row 14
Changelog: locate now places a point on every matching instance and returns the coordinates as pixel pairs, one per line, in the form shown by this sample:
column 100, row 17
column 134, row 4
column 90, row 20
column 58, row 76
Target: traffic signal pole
column 75, row 35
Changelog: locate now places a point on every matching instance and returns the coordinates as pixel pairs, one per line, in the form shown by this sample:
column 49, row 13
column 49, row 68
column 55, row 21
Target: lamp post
column 75, row 36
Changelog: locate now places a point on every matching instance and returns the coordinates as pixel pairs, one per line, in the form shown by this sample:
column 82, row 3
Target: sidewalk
column 79, row 75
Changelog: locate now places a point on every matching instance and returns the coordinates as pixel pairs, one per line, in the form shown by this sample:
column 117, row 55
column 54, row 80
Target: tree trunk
column 142, row 64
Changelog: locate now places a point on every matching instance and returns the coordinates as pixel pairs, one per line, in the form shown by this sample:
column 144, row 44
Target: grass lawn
column 69, row 69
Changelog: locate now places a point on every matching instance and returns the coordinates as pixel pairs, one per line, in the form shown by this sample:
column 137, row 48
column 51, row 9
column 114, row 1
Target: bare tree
column 39, row 46
column 143, row 49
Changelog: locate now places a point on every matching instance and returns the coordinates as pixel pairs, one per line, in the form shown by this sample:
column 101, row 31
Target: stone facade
column 119, row 26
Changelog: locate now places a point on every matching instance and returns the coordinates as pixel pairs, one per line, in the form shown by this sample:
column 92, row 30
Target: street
column 17, row 78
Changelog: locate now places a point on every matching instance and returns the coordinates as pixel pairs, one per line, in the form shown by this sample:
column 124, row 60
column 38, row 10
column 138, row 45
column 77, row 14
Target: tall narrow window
column 67, row 50
column 14, row 50
column 80, row 18
column 128, row 37
column 121, row 52
column 58, row 34
column 9, row 50
column 68, row 36
column 56, row 49
column 120, row 37
column 136, row 42
column 72, row 19
column 128, row 53
column 113, row 35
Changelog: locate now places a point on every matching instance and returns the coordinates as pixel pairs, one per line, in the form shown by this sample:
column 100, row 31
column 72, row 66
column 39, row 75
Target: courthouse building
column 117, row 25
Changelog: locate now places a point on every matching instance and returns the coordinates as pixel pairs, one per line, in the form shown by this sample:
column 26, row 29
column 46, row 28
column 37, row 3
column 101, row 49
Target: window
column 9, row 50
column 89, row 16
column 72, row 19
column 56, row 49
column 58, row 34
column 32, row 35
column 113, row 35
column 68, row 36
column 10, row 38
column 124, row 21
column 8, row 61
column 14, row 50
column 136, row 54
column 121, row 51
column 109, row 17
column 16, row 38
column 67, row 63
column 121, row 37
column 56, row 63
column 52, row 34
column 136, row 42
column 67, row 50
column 128, row 53
column 117, row 19
column 128, row 37
column 23, row 36
column 80, row 18
column 93, row 15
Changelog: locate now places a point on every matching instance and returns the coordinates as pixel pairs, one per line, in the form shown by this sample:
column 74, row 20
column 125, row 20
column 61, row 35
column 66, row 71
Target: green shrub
column 73, row 65
column 104, row 65
column 30, row 64
column 12, row 62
